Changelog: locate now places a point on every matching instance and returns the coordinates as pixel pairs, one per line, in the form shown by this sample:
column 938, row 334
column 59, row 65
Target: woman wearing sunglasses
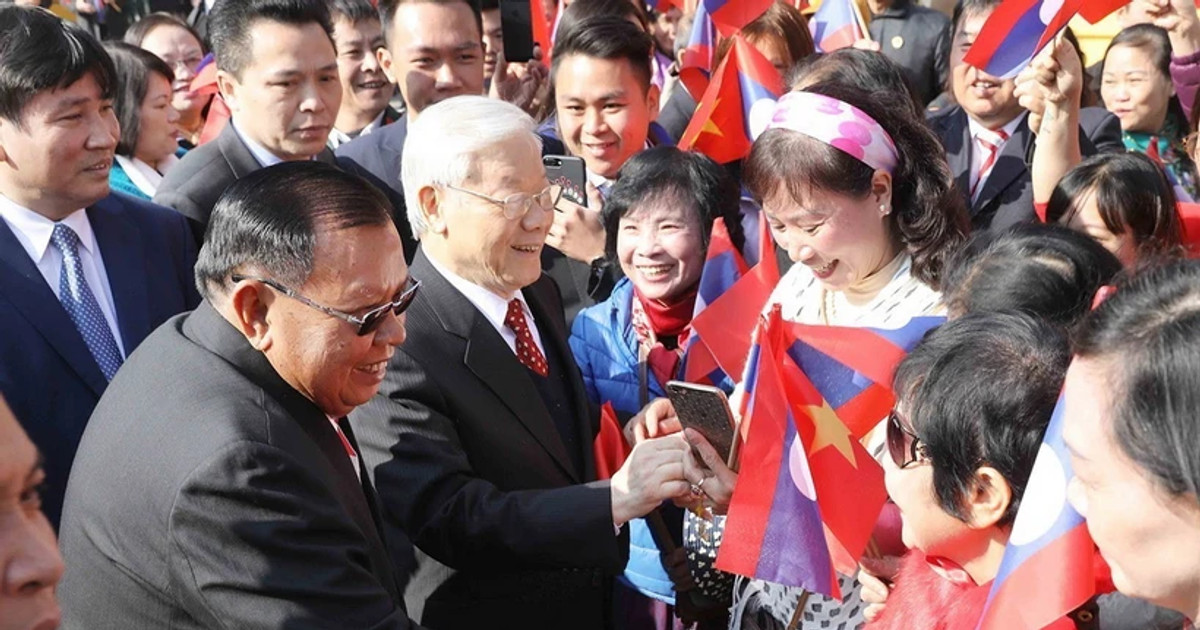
column 973, row 400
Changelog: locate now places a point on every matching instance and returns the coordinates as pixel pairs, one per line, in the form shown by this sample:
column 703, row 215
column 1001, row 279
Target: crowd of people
column 297, row 331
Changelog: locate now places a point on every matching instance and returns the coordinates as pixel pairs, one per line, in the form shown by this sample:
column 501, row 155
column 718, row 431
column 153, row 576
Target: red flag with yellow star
column 736, row 107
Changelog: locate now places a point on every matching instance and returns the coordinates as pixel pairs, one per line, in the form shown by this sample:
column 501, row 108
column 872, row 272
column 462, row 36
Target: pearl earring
column 884, row 209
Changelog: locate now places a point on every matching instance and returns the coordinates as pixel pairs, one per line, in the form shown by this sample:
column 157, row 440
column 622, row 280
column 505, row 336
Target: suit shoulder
column 194, row 167
column 372, row 143
column 946, row 118
column 928, row 16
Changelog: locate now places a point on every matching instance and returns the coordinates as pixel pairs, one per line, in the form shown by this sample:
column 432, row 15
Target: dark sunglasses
column 903, row 445
column 367, row 322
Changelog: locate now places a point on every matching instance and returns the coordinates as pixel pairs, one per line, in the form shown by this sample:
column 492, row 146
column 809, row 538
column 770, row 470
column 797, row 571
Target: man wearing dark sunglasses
column 219, row 483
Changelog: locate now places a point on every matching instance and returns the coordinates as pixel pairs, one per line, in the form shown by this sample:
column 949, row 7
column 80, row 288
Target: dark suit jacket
column 47, row 374
column 1007, row 195
column 377, row 157
column 212, row 494
column 195, row 184
column 471, row 469
column 922, row 34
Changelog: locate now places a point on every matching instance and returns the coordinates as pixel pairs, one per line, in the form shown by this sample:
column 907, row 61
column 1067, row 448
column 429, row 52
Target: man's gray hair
column 444, row 143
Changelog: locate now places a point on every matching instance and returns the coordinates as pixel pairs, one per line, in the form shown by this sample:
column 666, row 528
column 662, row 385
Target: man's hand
column 519, row 83
column 655, row 420
column 652, row 473
column 867, row 44
column 577, row 231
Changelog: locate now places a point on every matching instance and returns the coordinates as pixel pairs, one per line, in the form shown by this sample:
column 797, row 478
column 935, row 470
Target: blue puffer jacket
column 606, row 348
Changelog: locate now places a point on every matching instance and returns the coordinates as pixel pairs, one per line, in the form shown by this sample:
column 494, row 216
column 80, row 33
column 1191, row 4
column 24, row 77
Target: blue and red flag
column 736, row 107
column 1016, row 31
column 696, row 63
column 1048, row 568
column 731, row 15
column 727, row 324
column 780, row 535
column 836, row 24
column 723, row 267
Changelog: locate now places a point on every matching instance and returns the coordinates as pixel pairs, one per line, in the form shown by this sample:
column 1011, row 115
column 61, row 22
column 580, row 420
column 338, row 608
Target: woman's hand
column 654, row 420
column 876, row 575
column 708, row 473
column 1178, row 18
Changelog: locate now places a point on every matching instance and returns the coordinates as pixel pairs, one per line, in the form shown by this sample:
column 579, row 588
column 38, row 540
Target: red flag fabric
column 695, row 64
column 541, row 29
column 736, row 106
column 731, row 15
column 205, row 84
column 609, row 447
column 1095, row 10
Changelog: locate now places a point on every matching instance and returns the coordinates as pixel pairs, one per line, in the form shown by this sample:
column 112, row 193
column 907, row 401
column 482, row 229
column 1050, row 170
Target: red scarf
column 653, row 320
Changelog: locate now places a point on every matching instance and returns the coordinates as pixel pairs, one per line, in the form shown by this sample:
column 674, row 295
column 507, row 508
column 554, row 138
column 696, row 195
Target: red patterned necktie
column 527, row 351
column 993, row 150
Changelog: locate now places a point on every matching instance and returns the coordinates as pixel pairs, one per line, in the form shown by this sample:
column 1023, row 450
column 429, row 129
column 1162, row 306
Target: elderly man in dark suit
column 277, row 71
column 219, row 482
column 987, row 136
column 480, row 441
column 85, row 275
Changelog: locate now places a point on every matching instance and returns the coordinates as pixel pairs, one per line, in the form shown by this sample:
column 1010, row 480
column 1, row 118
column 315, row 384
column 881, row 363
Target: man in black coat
column 480, row 440
column 916, row 38
column 219, row 482
column 277, row 71
column 987, row 136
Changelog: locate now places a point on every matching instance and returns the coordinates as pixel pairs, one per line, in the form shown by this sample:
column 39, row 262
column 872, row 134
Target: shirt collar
column 493, row 307
column 978, row 129
column 33, row 230
column 261, row 155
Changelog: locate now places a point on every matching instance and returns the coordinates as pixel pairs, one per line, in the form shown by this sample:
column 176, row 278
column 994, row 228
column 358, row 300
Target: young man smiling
column 366, row 90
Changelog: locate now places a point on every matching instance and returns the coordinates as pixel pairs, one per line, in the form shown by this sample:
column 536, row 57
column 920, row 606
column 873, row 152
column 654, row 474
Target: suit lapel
column 121, row 246
column 959, row 157
column 241, row 161
column 28, row 292
column 490, row 359
column 1010, row 165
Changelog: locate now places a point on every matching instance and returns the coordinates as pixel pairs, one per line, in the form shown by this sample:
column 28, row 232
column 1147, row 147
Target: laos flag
column 1047, row 570
column 1016, row 31
column 723, row 267
column 836, row 25
column 696, row 63
column 727, row 324
column 736, row 107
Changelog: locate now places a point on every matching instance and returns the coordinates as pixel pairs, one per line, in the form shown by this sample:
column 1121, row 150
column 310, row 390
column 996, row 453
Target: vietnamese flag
column 609, row 448
column 736, row 107
column 1095, row 10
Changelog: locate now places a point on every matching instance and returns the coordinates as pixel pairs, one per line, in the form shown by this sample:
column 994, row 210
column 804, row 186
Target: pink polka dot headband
column 838, row 124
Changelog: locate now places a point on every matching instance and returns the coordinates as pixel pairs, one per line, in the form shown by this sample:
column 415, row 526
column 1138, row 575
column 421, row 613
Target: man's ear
column 430, row 201
column 989, row 498
column 385, row 63
column 652, row 96
column 228, row 86
column 249, row 303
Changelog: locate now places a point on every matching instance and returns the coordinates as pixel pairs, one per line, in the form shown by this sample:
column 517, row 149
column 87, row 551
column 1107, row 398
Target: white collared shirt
column 338, row 138
column 145, row 177
column 33, row 233
column 261, row 154
column 493, row 307
column 979, row 152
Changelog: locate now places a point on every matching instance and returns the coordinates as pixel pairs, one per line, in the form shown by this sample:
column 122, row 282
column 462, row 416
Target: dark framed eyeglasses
column 517, row 205
column 903, row 445
column 367, row 322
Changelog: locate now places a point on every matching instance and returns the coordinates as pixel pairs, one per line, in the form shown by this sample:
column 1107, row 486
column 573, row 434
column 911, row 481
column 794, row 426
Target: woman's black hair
column 1148, row 333
column 866, row 69
column 1047, row 271
column 665, row 173
column 134, row 67
column 979, row 391
column 928, row 215
column 1132, row 194
column 1155, row 42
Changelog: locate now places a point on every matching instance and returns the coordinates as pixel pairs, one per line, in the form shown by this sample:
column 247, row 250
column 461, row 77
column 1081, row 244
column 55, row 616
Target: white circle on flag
column 760, row 116
column 798, row 467
column 1048, row 10
column 1045, row 497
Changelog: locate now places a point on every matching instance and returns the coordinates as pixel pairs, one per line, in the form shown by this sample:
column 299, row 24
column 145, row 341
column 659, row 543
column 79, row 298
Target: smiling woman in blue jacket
column 658, row 218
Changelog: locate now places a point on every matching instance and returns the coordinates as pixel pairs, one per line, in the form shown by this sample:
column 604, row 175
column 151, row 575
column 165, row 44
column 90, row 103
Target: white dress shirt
column 261, row 154
column 33, row 233
column 493, row 307
column 979, row 152
column 145, row 177
column 338, row 138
